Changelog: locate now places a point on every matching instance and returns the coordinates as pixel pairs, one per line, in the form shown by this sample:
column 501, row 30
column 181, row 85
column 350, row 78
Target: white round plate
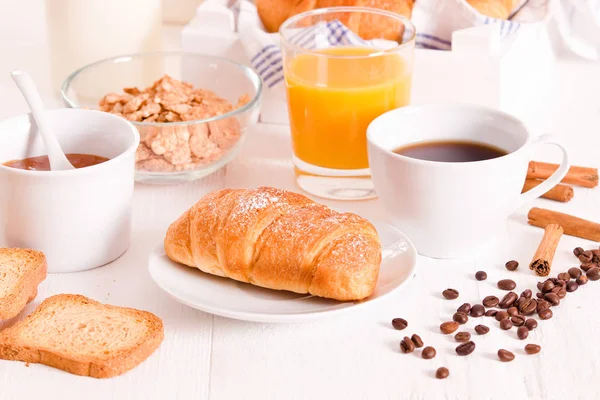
column 232, row 299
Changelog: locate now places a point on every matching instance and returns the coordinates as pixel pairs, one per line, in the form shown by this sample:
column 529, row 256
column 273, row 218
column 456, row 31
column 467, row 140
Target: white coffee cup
column 80, row 219
column 451, row 209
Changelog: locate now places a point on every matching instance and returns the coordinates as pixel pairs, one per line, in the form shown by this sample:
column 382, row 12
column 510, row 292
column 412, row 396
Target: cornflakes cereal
column 176, row 147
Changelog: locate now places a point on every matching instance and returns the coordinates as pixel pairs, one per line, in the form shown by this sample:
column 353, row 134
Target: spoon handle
column 57, row 158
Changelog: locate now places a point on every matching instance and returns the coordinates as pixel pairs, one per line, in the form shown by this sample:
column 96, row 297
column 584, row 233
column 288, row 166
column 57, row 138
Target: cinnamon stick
column 579, row 176
column 562, row 193
column 572, row 225
column 544, row 255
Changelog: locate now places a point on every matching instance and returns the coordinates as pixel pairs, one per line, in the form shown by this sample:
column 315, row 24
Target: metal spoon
column 57, row 158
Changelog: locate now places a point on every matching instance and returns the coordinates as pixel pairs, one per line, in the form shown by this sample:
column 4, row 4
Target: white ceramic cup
column 80, row 219
column 451, row 209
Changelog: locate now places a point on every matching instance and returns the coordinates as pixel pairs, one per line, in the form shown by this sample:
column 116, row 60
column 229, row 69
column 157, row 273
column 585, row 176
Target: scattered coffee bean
column 508, row 300
column 528, row 306
column 505, row 355
column 407, row 345
column 519, row 302
column 506, row 324
column 555, row 290
column 511, row 265
column 581, row 280
column 449, row 327
column 491, row 313
column 572, row 286
column 477, row 311
column 596, row 254
column 531, row 324
column 552, row 298
column 522, row 332
column 547, row 287
column 490, row 301
column 465, row 308
column 593, row 274
column 462, row 337
column 586, row 267
column 539, row 295
column 481, row 275
column 506, row 284
column 586, row 256
column 562, row 293
column 502, row 315
column 545, row 314
column 512, row 311
column 542, row 305
column 517, row 320
column 532, row 349
column 577, row 251
column 450, row 294
column 417, row 340
column 540, row 285
column 527, row 293
column 574, row 272
column 481, row 329
column 442, row 373
column 564, row 276
column 428, row 353
column 465, row 349
column 560, row 283
column 460, row 317
column 399, row 323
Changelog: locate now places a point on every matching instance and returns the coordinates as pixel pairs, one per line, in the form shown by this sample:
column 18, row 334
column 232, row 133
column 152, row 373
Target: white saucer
column 232, row 299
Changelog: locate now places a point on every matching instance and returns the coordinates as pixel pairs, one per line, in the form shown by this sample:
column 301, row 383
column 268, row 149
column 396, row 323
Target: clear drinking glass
column 343, row 67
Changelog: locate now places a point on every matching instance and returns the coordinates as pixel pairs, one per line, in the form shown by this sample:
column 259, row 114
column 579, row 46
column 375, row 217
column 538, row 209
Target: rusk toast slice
column 21, row 271
column 83, row 337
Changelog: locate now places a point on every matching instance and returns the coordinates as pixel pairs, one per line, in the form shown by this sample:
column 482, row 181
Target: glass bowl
column 208, row 138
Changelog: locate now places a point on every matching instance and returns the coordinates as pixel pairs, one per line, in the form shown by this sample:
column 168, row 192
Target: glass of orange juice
column 343, row 67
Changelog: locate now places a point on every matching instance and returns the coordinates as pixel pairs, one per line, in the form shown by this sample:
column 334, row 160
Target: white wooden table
column 351, row 357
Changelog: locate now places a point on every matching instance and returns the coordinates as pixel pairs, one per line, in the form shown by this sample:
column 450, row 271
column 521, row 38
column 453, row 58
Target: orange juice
column 332, row 100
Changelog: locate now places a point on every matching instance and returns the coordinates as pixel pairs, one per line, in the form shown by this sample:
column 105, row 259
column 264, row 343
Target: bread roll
column 492, row 8
column 278, row 240
column 274, row 12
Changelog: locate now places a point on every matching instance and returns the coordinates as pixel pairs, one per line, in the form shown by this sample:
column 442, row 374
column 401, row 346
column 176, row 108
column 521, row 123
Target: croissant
column 280, row 240
column 499, row 9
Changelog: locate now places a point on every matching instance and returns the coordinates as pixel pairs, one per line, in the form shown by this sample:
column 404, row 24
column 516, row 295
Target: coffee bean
column 450, row 294
column 519, row 302
column 481, row 329
column 542, row 305
column 586, row 267
column 502, row 315
column 477, row 310
column 564, row 276
column 522, row 332
column 417, row 340
column 460, row 317
column 465, row 349
column 552, row 298
column 506, row 284
column 532, row 349
column 528, row 307
column 506, row 324
column 548, row 286
column 555, row 290
column 508, row 300
column 491, row 313
column 560, row 283
column 581, row 280
column 449, row 327
column 527, row 293
column 428, row 353
column 540, row 285
column 577, row 251
column 481, row 275
column 531, row 324
column 596, row 254
column 442, row 373
column 462, row 337
column 586, row 256
column 399, row 323
column 511, row 265
column 517, row 320
column 465, row 308
column 539, row 295
column 505, row 355
column 593, row 274
column 572, row 286
column 574, row 272
column 490, row 301
column 512, row 311
column 407, row 345
column 562, row 293
column 545, row 314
